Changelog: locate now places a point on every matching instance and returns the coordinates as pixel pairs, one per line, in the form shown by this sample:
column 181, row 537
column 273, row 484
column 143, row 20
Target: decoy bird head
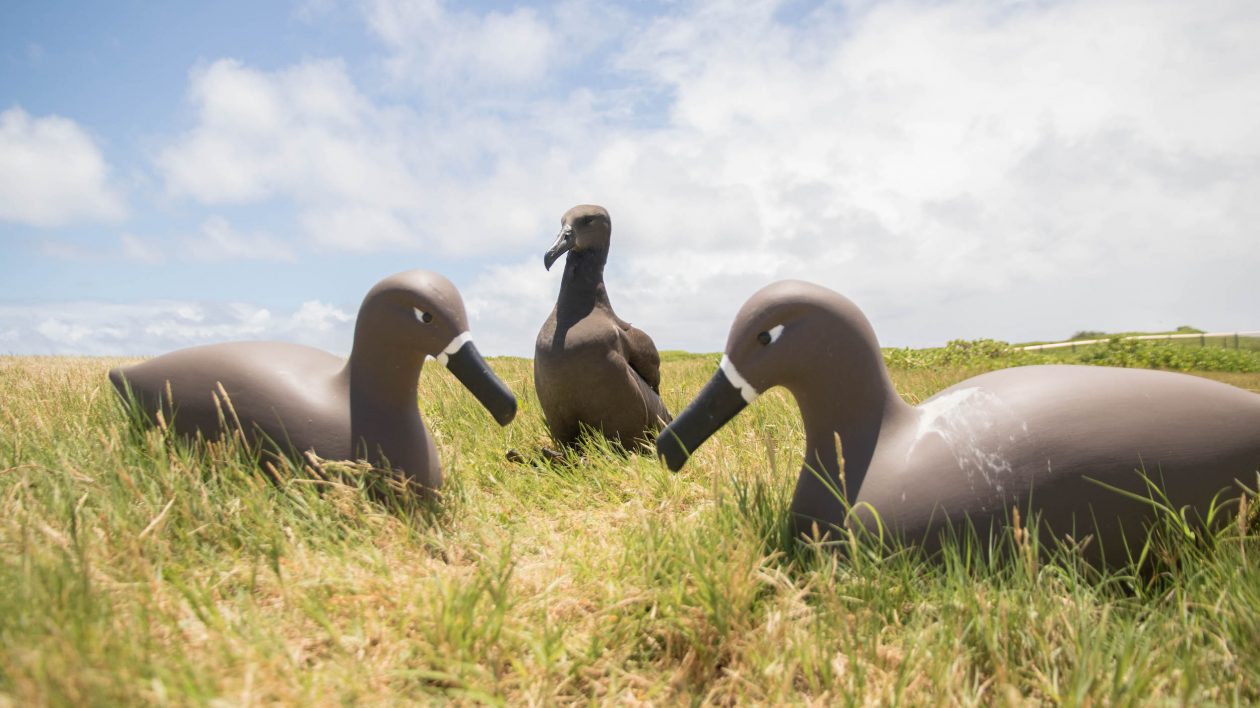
column 791, row 334
column 418, row 313
column 790, row 330
column 585, row 228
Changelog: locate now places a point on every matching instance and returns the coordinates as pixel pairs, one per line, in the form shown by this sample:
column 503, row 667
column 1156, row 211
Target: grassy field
column 136, row 569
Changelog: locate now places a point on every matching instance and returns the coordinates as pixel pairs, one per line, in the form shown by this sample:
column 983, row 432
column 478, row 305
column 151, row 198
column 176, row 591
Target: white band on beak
column 453, row 347
column 745, row 389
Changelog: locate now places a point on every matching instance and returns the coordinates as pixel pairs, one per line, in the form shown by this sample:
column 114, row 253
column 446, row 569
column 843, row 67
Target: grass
column 139, row 569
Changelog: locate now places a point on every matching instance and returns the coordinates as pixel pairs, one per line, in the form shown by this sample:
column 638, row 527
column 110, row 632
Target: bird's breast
column 584, row 338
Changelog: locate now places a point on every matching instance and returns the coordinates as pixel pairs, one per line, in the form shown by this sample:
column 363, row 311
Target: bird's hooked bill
column 564, row 242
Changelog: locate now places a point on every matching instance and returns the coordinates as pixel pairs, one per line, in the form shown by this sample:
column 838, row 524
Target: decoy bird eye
column 425, row 317
column 771, row 335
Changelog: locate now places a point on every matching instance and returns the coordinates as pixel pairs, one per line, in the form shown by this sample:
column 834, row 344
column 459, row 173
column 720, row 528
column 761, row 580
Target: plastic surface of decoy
column 1059, row 440
column 302, row 399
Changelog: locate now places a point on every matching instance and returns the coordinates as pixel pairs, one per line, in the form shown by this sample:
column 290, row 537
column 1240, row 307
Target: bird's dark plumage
column 591, row 367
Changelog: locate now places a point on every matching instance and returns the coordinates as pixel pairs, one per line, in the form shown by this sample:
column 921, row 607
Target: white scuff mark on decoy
column 961, row 420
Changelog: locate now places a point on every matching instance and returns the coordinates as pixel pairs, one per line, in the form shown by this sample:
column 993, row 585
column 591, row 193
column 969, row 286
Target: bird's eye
column 421, row 315
column 770, row 336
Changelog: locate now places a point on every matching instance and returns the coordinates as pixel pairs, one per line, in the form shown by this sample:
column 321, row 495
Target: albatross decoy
column 1057, row 439
column 302, row 399
column 591, row 368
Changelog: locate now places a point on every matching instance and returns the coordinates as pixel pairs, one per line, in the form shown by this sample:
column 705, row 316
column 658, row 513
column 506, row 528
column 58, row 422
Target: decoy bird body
column 1058, row 440
column 301, row 399
column 591, row 368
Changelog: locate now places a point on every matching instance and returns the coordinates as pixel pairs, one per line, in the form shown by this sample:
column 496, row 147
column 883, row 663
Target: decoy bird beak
column 465, row 362
column 720, row 400
column 563, row 243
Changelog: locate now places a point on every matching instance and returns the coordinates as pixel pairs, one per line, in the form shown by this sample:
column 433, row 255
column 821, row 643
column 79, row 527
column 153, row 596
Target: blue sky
column 174, row 174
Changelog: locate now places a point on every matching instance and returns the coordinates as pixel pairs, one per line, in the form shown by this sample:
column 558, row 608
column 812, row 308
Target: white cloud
column 365, row 177
column 958, row 168
column 313, row 10
column 507, row 304
column 357, row 228
column 139, row 250
column 431, row 44
column 153, row 327
column 52, row 173
column 303, row 131
column 215, row 241
column 218, row 240
column 315, row 316
column 308, row 135
column 450, row 53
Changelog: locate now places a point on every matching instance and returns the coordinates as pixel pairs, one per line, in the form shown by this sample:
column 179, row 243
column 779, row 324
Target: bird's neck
column 383, row 375
column 854, row 403
column 582, row 288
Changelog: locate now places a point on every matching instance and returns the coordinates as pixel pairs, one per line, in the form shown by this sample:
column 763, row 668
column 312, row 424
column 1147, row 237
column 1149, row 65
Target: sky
column 174, row 174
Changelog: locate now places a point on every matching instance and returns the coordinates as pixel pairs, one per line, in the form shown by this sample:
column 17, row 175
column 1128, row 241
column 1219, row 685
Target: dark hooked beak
column 718, row 402
column 563, row 243
column 473, row 371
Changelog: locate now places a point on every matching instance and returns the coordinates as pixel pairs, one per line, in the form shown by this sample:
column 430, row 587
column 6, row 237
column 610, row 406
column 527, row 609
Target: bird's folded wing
column 643, row 357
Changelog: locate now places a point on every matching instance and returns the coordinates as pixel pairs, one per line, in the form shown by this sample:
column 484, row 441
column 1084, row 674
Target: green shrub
column 962, row 353
column 989, row 354
column 1137, row 353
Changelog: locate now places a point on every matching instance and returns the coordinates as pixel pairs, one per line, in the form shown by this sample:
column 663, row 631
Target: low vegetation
column 988, row 354
column 135, row 568
column 1095, row 334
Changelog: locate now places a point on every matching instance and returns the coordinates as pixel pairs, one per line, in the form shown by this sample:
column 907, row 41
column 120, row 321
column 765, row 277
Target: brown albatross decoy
column 306, row 400
column 1057, row 439
column 591, row 368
